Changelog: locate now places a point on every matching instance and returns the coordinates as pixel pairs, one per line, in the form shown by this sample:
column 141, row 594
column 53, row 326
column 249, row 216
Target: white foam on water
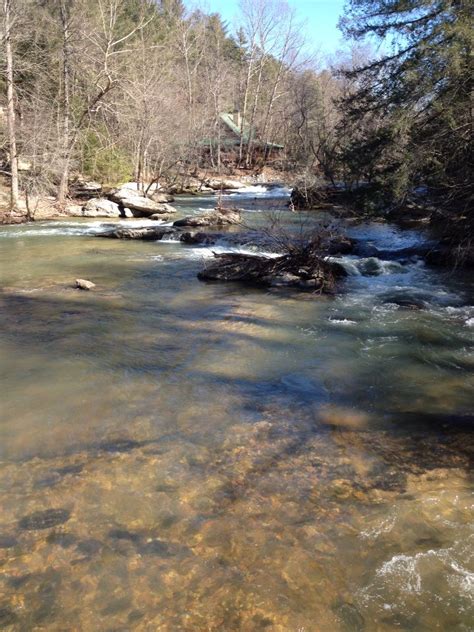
column 342, row 321
column 414, row 574
column 206, row 252
column 257, row 188
column 261, row 191
column 384, row 526
column 75, row 228
column 369, row 266
column 404, row 570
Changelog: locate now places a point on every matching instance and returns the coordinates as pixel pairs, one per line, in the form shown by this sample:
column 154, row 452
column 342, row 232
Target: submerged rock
column 406, row 303
column 151, row 233
column 89, row 547
column 64, row 540
column 7, row 541
column 124, row 534
column 221, row 217
column 7, row 616
column 44, row 519
column 119, row 445
column 84, row 284
column 350, row 616
column 405, row 300
column 158, row 548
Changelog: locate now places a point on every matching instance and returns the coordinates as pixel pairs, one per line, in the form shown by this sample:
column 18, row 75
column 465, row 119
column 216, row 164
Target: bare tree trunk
column 11, row 120
column 64, row 182
column 245, row 104
column 248, row 156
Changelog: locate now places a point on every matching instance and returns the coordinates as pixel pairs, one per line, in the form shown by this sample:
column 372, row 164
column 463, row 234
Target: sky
column 320, row 18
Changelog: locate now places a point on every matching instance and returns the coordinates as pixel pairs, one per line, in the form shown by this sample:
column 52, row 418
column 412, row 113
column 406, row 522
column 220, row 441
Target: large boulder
column 151, row 233
column 248, row 238
column 86, row 188
column 200, row 238
column 140, row 205
column 100, row 207
column 162, row 198
column 97, row 207
column 188, row 186
column 216, row 184
column 222, row 217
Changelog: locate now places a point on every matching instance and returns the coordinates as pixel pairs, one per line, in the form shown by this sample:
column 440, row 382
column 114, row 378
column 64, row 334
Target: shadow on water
column 196, row 475
column 146, row 337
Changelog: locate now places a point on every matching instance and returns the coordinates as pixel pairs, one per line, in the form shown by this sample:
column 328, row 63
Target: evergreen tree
column 411, row 111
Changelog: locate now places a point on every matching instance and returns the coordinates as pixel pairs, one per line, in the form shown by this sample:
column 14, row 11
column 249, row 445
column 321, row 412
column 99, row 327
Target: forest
column 114, row 90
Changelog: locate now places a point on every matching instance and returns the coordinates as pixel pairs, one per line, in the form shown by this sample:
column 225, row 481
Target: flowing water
column 182, row 456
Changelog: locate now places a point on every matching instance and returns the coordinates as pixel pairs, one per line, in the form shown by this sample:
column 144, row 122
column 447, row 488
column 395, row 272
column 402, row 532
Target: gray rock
column 217, row 183
column 159, row 217
column 200, row 238
column 86, row 188
column 162, row 198
column 90, row 186
column 100, row 207
column 145, row 234
column 140, row 205
column 221, row 217
column 84, row 284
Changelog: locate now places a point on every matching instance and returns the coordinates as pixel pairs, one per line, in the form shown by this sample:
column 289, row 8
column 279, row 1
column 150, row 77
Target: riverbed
column 178, row 455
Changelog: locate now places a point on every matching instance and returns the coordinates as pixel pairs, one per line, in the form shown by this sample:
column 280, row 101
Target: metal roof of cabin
column 246, row 132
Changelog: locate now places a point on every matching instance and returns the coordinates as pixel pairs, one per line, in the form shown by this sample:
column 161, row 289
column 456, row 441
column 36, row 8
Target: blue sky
column 320, row 19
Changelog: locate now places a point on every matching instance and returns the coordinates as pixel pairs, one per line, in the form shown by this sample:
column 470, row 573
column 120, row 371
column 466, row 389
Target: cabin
column 234, row 130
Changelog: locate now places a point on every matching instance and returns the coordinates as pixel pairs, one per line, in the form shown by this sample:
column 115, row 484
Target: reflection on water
column 187, row 456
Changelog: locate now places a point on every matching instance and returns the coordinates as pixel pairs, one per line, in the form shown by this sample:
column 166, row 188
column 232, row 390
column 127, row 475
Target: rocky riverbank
column 93, row 200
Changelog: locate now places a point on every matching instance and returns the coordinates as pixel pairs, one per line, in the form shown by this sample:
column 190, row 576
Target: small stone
column 84, row 284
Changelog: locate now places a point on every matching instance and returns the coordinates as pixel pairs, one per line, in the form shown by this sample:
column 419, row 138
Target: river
column 187, row 456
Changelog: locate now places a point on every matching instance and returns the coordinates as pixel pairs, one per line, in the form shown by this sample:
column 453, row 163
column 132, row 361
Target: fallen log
column 304, row 271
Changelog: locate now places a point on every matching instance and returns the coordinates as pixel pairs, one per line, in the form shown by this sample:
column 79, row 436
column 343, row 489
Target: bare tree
column 104, row 47
column 8, row 22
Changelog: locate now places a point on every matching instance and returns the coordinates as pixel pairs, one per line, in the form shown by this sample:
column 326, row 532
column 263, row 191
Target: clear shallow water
column 186, row 456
